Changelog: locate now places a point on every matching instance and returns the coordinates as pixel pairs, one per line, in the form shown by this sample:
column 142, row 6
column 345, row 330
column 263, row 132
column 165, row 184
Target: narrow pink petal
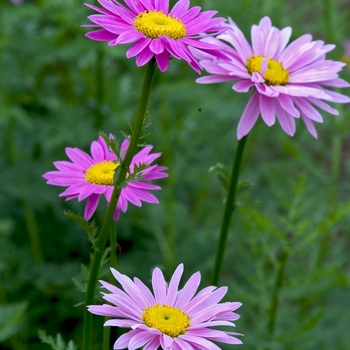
column 286, row 121
column 135, row 6
column 180, row 8
column 310, row 126
column 163, row 61
column 157, row 46
column 79, row 157
column 139, row 340
column 131, row 289
column 258, row 41
column 129, row 36
column 183, row 344
column 285, row 35
column 97, row 152
column 243, row 86
column 213, row 79
column 153, row 344
column 294, row 50
column 322, row 105
column 101, row 35
column 138, row 47
column 129, row 194
column 91, row 206
column 145, row 291
column 286, row 103
column 103, row 310
column 166, row 342
column 249, row 116
column 267, row 107
column 144, row 57
column 162, row 5
column 123, row 341
column 188, row 291
column 174, row 285
column 120, row 323
column 198, row 305
column 337, row 97
column 199, row 342
column 308, row 110
column 159, row 286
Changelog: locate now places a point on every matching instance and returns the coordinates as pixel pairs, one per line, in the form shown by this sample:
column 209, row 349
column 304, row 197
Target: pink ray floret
column 73, row 175
column 117, row 24
column 296, row 95
column 203, row 310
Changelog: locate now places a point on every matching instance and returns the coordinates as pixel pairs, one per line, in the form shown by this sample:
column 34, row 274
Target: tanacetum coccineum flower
column 155, row 31
column 287, row 81
column 168, row 318
column 90, row 177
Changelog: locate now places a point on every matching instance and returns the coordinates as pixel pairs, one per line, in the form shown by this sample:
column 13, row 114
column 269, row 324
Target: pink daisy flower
column 170, row 318
column 90, row 177
column 154, row 31
column 287, row 81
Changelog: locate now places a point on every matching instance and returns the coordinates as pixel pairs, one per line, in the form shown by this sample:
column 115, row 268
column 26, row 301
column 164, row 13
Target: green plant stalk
column 29, row 214
column 328, row 11
column 229, row 210
column 276, row 291
column 113, row 263
column 105, row 229
column 33, row 230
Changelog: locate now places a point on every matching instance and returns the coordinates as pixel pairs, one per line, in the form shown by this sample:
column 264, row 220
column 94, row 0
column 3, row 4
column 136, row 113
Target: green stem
column 229, row 209
column 33, row 230
column 276, row 292
column 328, row 11
column 112, row 263
column 105, row 229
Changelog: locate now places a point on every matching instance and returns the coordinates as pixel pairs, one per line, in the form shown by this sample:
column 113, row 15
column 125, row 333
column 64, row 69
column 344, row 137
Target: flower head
column 90, row 177
column 155, row 31
column 287, row 81
column 169, row 318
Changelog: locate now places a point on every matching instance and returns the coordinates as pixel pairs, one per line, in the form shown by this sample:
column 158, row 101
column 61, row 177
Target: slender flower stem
column 33, row 230
column 229, row 209
column 105, row 229
column 276, row 292
column 112, row 263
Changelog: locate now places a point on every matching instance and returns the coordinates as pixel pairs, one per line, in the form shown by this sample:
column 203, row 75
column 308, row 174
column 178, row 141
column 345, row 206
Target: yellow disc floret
column 169, row 320
column 101, row 173
column 275, row 74
column 155, row 23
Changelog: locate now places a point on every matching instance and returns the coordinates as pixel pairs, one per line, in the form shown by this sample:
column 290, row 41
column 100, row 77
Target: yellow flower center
column 169, row 320
column 101, row 173
column 275, row 74
column 155, row 23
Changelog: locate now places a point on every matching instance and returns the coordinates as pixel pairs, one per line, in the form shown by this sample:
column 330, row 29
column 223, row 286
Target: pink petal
column 91, row 206
column 249, row 116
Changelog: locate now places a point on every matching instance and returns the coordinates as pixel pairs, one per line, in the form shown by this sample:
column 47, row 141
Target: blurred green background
column 287, row 257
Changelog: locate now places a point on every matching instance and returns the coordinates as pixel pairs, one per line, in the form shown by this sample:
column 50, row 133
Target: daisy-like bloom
column 287, row 81
column 169, row 318
column 154, row 31
column 90, row 177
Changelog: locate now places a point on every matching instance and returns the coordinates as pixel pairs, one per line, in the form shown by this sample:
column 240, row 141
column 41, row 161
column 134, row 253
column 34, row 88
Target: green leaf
column 56, row 343
column 89, row 227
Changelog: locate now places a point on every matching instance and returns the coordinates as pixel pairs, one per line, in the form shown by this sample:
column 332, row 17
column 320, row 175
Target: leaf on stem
column 56, row 343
